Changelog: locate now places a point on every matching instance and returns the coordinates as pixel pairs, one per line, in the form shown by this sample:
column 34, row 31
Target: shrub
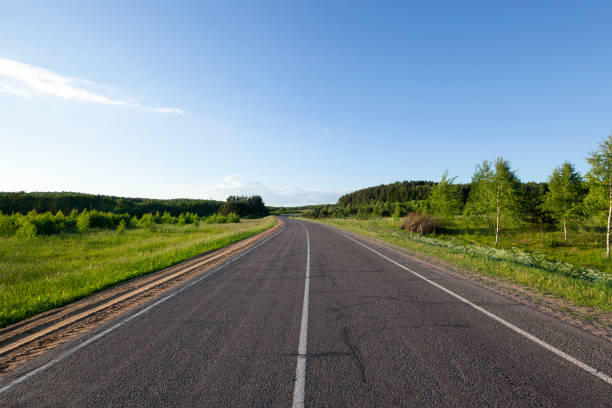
column 363, row 213
column 233, row 217
column 83, row 221
column 8, row 225
column 45, row 223
column 397, row 211
column 167, row 218
column 27, row 230
column 147, row 221
column 191, row 218
column 121, row 227
column 216, row 219
column 420, row 223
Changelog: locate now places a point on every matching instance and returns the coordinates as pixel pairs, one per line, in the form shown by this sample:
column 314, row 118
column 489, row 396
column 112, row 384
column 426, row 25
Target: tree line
column 42, row 202
column 496, row 195
column 21, row 202
column 245, row 206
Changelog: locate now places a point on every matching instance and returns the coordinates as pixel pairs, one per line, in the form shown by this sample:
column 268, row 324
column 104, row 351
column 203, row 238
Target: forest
column 41, row 202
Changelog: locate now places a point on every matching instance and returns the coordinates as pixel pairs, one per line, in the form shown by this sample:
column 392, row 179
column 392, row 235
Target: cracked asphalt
column 378, row 336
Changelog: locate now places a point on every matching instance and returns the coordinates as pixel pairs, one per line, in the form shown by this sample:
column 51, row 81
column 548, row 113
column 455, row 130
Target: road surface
column 315, row 318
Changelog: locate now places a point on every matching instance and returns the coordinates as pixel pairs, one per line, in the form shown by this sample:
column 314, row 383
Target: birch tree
column 444, row 197
column 599, row 180
column 481, row 197
column 494, row 193
column 565, row 195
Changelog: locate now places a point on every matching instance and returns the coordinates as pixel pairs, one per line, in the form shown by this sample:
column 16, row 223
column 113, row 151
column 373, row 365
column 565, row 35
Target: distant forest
column 414, row 191
column 23, row 203
column 66, row 202
column 396, row 192
column 400, row 198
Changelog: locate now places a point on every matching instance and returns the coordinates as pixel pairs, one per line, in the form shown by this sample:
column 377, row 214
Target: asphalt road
column 376, row 335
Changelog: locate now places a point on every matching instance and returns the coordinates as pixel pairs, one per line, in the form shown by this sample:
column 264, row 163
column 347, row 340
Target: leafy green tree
column 494, row 193
column 8, row 226
column 27, row 230
column 121, row 227
column 565, row 195
column 481, row 198
column 167, row 218
column 506, row 194
column 599, row 179
column 83, row 221
column 397, row 211
column 444, row 198
column 377, row 211
column 233, row 217
column 147, row 221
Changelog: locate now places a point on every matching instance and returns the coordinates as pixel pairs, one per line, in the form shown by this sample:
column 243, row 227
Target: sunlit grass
column 585, row 247
column 50, row 271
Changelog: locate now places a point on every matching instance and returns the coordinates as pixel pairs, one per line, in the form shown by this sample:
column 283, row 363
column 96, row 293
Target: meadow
column 585, row 246
column 42, row 272
column 576, row 272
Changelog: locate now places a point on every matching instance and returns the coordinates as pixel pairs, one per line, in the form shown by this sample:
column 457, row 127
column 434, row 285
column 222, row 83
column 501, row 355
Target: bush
column 420, row 223
column 121, row 227
column 83, row 221
column 147, row 221
column 27, row 230
column 8, row 226
column 233, row 217
column 167, row 218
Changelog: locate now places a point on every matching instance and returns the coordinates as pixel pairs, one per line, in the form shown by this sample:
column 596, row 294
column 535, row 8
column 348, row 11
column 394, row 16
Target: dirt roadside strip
column 31, row 337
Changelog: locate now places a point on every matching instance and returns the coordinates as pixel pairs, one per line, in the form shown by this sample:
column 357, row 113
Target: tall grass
column 585, row 247
column 44, row 272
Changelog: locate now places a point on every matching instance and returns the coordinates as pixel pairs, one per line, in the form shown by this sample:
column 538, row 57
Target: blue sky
column 297, row 101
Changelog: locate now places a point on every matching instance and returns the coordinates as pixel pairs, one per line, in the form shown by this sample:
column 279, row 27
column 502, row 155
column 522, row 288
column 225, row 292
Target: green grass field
column 586, row 246
column 553, row 278
column 50, row 271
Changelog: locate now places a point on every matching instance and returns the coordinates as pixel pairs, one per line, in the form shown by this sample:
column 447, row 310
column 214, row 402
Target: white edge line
column 518, row 330
column 300, row 370
column 124, row 321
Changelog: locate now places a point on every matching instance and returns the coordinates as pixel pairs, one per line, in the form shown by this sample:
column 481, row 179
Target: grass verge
column 514, row 267
column 585, row 248
column 50, row 271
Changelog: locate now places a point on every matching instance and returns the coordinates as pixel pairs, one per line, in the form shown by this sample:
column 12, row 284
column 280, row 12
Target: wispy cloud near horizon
column 276, row 196
column 32, row 81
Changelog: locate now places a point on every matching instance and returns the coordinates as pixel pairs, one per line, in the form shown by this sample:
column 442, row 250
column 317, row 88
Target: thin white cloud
column 230, row 182
column 168, row 110
column 4, row 88
column 29, row 80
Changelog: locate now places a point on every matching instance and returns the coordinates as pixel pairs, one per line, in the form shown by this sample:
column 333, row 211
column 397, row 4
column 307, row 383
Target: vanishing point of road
column 315, row 317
